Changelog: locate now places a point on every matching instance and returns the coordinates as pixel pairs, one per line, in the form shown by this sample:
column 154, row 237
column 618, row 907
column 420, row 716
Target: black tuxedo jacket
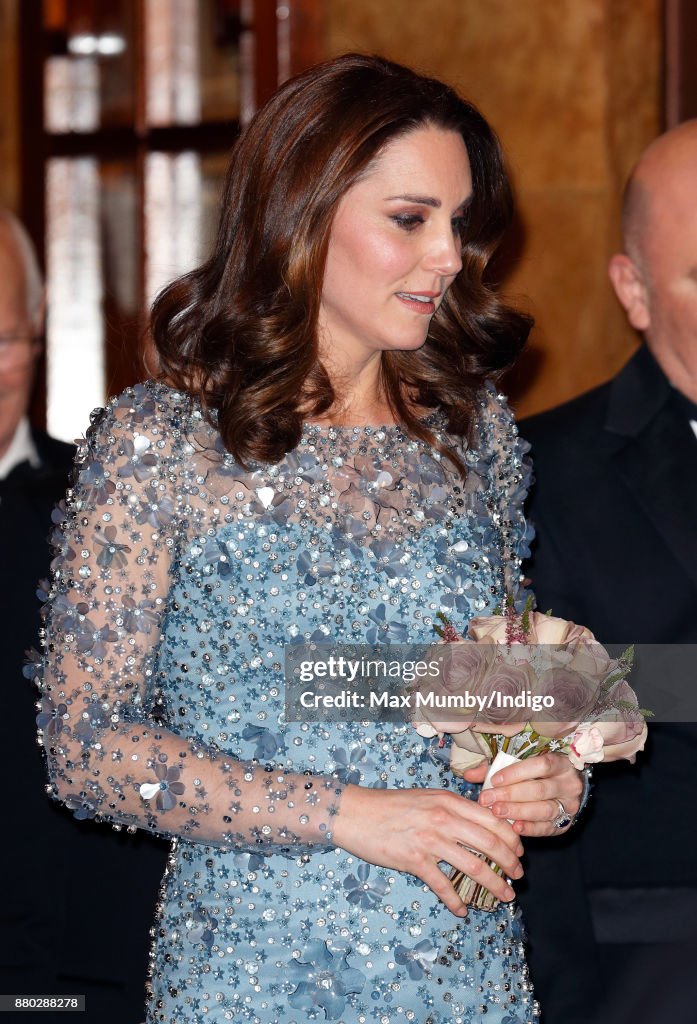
column 615, row 510
column 77, row 898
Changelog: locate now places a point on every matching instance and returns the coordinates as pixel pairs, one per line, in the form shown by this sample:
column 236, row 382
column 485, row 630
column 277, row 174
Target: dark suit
column 77, row 899
column 612, row 908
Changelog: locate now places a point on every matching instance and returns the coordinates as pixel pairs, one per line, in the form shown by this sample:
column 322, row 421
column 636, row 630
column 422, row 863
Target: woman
column 323, row 459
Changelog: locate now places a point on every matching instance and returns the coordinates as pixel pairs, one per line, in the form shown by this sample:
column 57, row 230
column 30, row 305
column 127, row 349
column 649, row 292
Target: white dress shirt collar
column 22, row 449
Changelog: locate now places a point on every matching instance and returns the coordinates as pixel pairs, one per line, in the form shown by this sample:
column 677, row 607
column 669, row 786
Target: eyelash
column 411, row 221
column 408, row 221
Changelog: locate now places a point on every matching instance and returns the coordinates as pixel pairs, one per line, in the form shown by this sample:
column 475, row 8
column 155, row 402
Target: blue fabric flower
column 315, row 566
column 417, row 960
column 99, row 488
column 51, row 717
column 351, row 765
column 268, row 743
column 140, row 617
column 362, row 891
column 158, row 512
column 201, row 927
column 324, row 980
column 385, row 631
column 166, row 789
column 82, row 805
column 140, row 463
column 111, row 553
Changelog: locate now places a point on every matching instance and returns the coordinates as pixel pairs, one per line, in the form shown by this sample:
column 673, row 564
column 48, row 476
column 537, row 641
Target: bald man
column 77, row 899
column 613, row 913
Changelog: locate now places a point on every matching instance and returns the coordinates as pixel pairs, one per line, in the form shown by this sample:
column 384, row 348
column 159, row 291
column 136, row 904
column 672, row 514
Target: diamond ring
column 563, row 818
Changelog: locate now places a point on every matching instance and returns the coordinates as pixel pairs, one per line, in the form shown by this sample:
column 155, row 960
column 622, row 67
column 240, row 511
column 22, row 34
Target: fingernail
column 519, row 873
column 487, row 798
column 510, row 895
column 496, row 779
column 501, row 810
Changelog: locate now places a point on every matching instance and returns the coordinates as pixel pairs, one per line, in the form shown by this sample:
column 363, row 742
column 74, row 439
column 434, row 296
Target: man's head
column 656, row 277
column 21, row 321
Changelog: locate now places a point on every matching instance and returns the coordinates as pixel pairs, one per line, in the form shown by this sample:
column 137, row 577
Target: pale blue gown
column 180, row 578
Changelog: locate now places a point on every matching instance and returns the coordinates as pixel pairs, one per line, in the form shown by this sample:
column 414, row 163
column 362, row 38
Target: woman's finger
column 538, row 828
column 484, row 840
column 540, row 767
column 477, row 774
column 432, row 876
column 473, row 815
column 529, row 811
column 478, row 869
column 566, row 790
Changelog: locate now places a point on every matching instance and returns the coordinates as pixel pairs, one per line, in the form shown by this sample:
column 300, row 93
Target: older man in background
column 77, row 899
column 613, row 914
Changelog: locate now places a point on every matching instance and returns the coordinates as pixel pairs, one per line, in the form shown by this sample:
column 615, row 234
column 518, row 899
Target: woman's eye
column 459, row 225
column 408, row 221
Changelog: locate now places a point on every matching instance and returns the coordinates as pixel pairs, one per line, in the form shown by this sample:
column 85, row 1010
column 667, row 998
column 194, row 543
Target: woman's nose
column 445, row 253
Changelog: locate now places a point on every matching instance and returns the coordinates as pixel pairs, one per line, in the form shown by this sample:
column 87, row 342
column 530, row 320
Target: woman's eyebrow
column 421, row 200
column 427, row 200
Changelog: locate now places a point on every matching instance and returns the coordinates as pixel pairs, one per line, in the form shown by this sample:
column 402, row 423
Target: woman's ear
column 631, row 289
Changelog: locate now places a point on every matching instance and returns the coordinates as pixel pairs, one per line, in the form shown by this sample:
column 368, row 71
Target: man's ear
column 630, row 288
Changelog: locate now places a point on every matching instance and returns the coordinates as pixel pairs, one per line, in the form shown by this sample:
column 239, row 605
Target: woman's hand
column 526, row 793
column 412, row 830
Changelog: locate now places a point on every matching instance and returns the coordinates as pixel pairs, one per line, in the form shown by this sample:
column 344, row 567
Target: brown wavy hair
column 240, row 332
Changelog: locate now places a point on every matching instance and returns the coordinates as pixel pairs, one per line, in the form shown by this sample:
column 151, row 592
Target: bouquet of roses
column 523, row 684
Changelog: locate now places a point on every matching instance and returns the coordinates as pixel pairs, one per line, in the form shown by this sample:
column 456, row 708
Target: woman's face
column 395, row 247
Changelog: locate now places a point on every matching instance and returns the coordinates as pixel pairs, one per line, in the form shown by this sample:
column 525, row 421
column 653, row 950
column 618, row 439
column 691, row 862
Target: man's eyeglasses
column 16, row 349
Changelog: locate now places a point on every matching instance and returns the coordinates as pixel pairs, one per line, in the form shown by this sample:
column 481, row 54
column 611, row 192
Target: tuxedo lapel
column 655, row 452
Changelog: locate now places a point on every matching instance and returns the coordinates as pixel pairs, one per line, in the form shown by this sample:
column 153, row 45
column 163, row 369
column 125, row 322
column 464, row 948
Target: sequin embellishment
column 178, row 581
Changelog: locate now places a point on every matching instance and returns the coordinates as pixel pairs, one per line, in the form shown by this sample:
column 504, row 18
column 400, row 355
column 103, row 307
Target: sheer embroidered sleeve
column 137, row 495
column 510, row 479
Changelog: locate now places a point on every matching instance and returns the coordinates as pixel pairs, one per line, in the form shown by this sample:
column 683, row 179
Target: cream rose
column 468, row 750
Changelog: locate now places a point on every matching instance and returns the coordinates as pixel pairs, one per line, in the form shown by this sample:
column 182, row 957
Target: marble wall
column 573, row 89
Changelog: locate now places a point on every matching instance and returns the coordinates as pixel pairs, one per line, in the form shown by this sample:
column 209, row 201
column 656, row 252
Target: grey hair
column 34, row 282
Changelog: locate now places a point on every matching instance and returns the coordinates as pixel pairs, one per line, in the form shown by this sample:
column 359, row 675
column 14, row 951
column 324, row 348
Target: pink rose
column 574, row 696
column 586, row 656
column 624, row 729
column 463, row 666
column 607, row 741
column 586, row 745
column 499, row 688
column 625, row 742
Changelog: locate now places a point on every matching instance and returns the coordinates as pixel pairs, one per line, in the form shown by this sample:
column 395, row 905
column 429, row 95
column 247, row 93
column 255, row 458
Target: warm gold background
column 572, row 87
column 9, row 161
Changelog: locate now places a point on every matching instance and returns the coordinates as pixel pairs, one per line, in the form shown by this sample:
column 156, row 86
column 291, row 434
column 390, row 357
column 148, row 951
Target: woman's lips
column 419, row 302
